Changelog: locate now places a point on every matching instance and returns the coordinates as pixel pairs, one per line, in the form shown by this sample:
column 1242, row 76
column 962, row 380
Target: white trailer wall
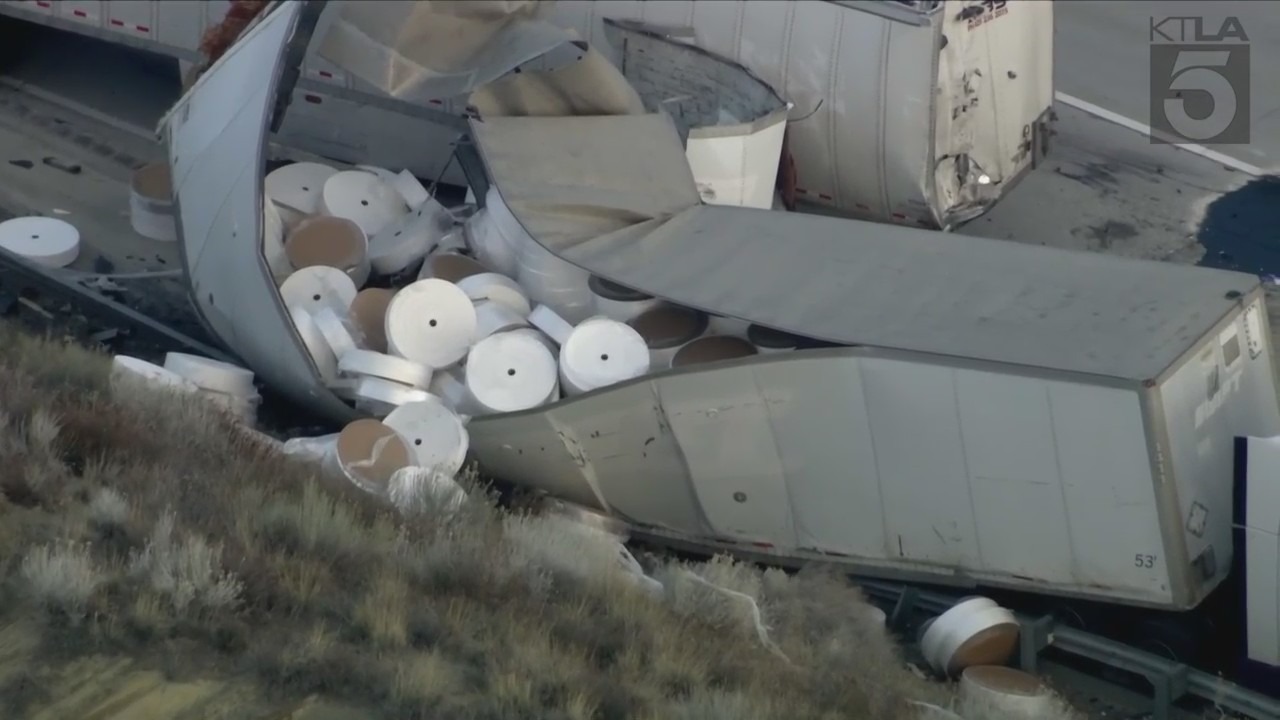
column 897, row 464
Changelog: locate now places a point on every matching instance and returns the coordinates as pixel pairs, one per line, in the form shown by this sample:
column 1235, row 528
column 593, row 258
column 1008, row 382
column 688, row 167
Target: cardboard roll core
column 669, row 326
column 451, row 266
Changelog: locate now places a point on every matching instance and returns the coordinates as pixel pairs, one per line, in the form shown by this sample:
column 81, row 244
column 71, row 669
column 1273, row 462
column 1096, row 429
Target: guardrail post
column 1034, row 636
column 902, row 608
column 1166, row 688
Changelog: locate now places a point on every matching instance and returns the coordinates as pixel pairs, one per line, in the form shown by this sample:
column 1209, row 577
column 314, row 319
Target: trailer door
column 1258, row 543
column 995, row 81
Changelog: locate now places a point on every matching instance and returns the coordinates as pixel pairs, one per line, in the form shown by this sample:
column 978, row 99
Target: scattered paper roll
column 330, row 241
column 975, row 631
column 985, row 637
column 732, row 327
column 452, row 267
column 369, row 313
column 362, row 363
column 41, row 240
column 318, row 286
column 364, row 198
column 337, row 332
column 508, row 372
column 383, row 174
column 210, row 374
column 541, row 337
column 546, row 320
column 434, row 432
column 564, row 291
column 314, row 341
column 496, row 235
column 244, row 409
column 601, row 352
column 414, row 194
column 298, row 186
column 368, row 453
column 379, row 397
column 273, row 233
column 408, row 239
column 151, row 203
column 498, row 288
column 768, row 340
column 452, row 392
column 128, row 373
column 493, row 317
column 712, row 348
column 666, row 329
column 618, row 302
column 1012, row 693
column 432, row 322
column 928, row 711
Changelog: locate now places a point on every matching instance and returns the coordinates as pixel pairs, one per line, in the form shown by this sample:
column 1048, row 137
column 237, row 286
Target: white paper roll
column 337, row 335
column 497, row 236
column 617, row 302
column 732, row 327
column 364, row 198
column 380, row 396
column 452, row 392
column 493, row 317
column 273, row 241
column 41, row 240
column 362, row 363
column 408, row 238
column 508, row 372
column 151, row 203
column 314, row 341
column 298, row 186
column 410, row 189
column 979, row 633
column 498, row 288
column 210, row 374
column 318, row 286
column 549, row 322
column 450, row 266
column 243, row 409
column 601, row 352
column 368, row 453
column 768, row 340
column 541, row 337
column 369, row 313
column 1011, row 693
column 432, row 322
column 129, row 372
column 382, row 174
column 936, row 627
column 332, row 242
column 435, row 434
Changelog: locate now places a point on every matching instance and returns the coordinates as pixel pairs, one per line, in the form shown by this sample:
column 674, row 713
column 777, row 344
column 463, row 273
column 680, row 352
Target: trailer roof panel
column 614, row 195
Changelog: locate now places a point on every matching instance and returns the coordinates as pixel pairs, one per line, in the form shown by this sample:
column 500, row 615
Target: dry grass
column 152, row 525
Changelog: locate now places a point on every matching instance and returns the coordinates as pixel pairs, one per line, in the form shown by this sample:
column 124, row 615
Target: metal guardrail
column 1170, row 680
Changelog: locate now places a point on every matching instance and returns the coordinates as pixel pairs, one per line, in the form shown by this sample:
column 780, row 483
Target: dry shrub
column 62, row 577
column 201, row 535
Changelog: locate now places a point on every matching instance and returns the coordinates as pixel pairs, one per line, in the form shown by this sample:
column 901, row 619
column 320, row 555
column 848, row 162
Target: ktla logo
column 1199, row 81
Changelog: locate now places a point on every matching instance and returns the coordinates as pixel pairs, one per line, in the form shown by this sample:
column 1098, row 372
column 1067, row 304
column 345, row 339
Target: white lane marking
column 1134, row 125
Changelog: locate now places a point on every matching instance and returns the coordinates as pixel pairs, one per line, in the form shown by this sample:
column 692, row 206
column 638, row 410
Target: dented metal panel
column 874, row 85
column 892, row 463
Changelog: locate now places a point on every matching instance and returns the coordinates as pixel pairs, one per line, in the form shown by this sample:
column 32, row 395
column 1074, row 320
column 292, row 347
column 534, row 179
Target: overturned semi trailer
column 983, row 412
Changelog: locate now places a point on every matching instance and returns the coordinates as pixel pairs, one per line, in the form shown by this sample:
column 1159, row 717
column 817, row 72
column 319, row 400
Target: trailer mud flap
column 1257, row 542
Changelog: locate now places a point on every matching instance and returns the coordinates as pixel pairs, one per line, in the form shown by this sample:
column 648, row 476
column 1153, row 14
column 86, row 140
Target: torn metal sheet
column 420, row 51
column 894, row 287
column 731, row 121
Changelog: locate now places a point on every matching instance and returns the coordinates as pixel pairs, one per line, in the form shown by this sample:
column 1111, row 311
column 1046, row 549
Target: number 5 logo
column 1195, row 71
